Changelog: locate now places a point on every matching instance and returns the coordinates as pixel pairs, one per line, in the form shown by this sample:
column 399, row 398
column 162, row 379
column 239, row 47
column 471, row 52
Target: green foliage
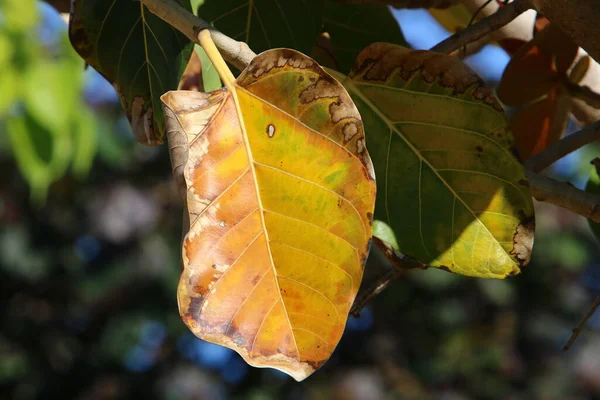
column 267, row 24
column 451, row 193
column 47, row 124
column 141, row 55
column 352, row 27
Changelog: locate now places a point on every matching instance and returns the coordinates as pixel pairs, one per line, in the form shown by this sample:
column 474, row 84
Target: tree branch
column 558, row 150
column 583, row 93
column 483, row 27
column 565, row 195
column 579, row 327
column 236, row 53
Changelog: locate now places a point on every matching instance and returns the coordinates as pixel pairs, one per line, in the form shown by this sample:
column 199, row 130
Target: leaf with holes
column 267, row 24
column 449, row 185
column 280, row 194
column 141, row 55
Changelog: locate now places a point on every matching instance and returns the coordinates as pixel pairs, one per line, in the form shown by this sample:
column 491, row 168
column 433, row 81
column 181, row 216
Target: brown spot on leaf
column 194, row 307
column 349, row 130
column 270, row 130
column 523, row 241
column 380, row 60
column 524, row 182
column 479, row 149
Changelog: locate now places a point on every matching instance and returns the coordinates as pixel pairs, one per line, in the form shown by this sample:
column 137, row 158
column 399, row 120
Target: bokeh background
column 90, row 226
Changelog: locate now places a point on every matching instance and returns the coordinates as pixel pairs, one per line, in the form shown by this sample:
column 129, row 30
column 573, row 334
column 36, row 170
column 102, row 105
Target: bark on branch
column 236, row 53
column 483, row 27
column 558, row 150
column 565, row 195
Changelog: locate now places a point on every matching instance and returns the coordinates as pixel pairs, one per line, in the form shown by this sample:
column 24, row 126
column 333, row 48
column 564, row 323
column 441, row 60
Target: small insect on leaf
column 280, row 194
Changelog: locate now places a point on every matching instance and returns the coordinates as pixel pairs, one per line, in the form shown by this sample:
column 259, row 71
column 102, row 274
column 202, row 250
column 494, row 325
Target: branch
column 583, row 93
column 483, row 27
column 236, row 53
column 565, row 195
column 558, row 150
column 579, row 327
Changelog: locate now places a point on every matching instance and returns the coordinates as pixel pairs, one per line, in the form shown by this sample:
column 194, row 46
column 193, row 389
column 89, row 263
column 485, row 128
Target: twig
column 401, row 264
column 558, row 150
column 398, row 260
column 489, row 24
column 236, row 53
column 565, row 195
column 583, row 93
column 579, row 327
column 382, row 282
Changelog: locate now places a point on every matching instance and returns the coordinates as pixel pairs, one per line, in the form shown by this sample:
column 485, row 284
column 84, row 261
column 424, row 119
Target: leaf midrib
column 262, row 215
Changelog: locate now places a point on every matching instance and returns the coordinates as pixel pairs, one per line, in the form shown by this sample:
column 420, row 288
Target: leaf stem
column 236, row 53
column 483, row 27
column 401, row 264
column 579, row 327
column 217, row 60
column 558, row 150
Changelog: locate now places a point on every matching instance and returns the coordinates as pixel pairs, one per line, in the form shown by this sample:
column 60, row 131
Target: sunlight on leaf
column 449, row 185
column 280, row 196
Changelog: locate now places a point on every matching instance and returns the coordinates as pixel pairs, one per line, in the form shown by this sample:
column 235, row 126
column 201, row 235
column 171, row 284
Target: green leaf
column 593, row 186
column 141, row 55
column 267, row 24
column 448, row 183
column 352, row 27
column 210, row 77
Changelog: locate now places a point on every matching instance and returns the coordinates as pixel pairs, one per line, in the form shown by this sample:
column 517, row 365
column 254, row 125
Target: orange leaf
column 538, row 125
column 280, row 196
column 528, row 76
column 535, row 68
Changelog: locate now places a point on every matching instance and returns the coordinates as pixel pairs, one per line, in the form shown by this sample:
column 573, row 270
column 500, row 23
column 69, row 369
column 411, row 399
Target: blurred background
column 90, row 226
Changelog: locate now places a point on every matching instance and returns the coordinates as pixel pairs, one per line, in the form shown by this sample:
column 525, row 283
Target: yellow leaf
column 280, row 194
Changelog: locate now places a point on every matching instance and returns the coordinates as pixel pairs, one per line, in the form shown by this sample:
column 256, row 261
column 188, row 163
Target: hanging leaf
column 593, row 186
column 141, row 55
column 535, row 69
column 533, row 79
column 280, row 194
column 267, row 24
column 540, row 124
column 449, row 185
column 352, row 27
